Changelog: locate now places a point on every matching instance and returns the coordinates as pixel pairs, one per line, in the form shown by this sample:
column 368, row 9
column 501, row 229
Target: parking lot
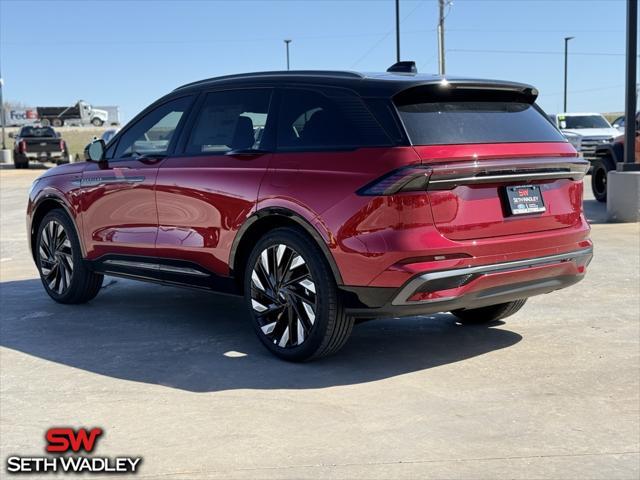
column 177, row 377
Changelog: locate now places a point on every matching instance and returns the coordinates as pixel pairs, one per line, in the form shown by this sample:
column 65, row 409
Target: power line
column 535, row 52
column 586, row 90
column 385, row 36
column 201, row 41
column 519, row 30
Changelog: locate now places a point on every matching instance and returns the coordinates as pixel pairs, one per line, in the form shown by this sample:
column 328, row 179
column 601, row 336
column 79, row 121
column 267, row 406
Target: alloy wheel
column 56, row 258
column 283, row 296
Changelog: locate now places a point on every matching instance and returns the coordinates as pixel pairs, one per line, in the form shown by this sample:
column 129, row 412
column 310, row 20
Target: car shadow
column 203, row 342
column 37, row 166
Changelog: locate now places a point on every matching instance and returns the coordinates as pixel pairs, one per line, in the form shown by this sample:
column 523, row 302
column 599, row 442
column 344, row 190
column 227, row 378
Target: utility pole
column 397, row 30
column 630, row 88
column 287, row 42
column 4, row 146
column 441, row 66
column 566, row 44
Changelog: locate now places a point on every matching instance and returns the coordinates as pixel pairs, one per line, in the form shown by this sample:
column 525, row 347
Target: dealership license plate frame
column 524, row 200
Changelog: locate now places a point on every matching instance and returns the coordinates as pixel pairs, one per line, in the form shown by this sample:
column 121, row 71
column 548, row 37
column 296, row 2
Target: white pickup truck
column 593, row 130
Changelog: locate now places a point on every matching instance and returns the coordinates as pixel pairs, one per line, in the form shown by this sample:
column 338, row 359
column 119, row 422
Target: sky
column 131, row 52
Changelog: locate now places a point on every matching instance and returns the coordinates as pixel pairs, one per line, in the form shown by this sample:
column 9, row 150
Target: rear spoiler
column 467, row 90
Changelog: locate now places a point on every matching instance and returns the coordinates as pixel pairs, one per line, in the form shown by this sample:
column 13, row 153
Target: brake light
column 413, row 178
column 22, row 146
column 62, row 145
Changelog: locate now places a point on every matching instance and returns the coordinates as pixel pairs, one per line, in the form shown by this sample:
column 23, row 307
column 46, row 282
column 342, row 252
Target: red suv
column 324, row 198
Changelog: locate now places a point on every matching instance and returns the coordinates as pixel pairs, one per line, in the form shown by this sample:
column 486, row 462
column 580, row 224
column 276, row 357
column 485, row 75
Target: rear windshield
column 460, row 122
column 37, row 132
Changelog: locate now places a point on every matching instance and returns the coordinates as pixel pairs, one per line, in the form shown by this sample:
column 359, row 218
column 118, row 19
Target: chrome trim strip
column 515, row 177
column 95, row 181
column 449, row 175
column 413, row 284
column 157, row 266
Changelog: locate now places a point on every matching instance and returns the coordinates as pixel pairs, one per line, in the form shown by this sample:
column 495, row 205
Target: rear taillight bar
column 445, row 176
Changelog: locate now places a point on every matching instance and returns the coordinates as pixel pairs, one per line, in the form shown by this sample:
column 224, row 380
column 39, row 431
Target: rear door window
column 231, row 120
column 310, row 120
column 463, row 122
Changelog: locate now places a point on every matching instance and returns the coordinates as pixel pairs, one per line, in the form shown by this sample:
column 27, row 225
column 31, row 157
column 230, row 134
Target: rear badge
column 525, row 199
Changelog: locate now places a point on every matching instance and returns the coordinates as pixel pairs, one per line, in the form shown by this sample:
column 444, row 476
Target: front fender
column 43, row 200
column 614, row 151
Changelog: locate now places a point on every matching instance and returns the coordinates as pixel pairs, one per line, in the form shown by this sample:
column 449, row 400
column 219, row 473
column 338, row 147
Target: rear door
column 499, row 167
column 206, row 192
column 118, row 195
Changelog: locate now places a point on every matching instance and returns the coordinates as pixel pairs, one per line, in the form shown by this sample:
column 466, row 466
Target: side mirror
column 94, row 152
column 11, row 135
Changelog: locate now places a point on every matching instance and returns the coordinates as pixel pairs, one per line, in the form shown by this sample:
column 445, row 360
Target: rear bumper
column 470, row 287
column 43, row 156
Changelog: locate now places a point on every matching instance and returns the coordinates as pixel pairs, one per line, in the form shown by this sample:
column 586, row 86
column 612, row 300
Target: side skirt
column 164, row 271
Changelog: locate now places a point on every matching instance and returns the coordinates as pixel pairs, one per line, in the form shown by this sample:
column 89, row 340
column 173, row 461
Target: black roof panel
column 374, row 84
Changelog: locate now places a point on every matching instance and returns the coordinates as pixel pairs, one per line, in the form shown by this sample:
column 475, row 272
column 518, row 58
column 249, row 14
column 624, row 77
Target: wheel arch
column 40, row 210
column 268, row 219
column 613, row 152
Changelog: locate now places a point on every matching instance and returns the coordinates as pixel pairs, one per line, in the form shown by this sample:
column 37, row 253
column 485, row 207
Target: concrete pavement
column 177, row 377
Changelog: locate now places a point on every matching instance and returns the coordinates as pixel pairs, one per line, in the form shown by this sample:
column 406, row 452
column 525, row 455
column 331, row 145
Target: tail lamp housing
column 412, row 178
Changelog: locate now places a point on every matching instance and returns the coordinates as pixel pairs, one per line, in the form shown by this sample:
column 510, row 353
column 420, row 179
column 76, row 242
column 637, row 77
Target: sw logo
column 65, row 439
column 66, row 442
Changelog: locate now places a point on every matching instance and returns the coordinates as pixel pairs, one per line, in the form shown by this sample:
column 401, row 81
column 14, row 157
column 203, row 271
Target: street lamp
column 566, row 44
column 397, row 30
column 4, row 146
column 287, row 42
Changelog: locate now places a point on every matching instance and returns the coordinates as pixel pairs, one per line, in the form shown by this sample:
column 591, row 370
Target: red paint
column 191, row 208
column 62, row 440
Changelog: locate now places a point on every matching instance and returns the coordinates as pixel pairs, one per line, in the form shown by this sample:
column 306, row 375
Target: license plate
column 525, row 199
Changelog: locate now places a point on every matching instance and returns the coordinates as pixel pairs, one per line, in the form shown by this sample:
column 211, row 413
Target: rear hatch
column 497, row 165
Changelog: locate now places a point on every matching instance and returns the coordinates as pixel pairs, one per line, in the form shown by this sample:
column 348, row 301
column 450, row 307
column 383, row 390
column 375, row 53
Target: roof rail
column 293, row 73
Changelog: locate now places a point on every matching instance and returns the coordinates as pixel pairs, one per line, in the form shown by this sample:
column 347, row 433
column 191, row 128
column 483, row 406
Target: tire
column 45, row 122
column 295, row 310
column 63, row 273
column 96, row 122
column 599, row 171
column 492, row 313
column 20, row 162
column 57, row 122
